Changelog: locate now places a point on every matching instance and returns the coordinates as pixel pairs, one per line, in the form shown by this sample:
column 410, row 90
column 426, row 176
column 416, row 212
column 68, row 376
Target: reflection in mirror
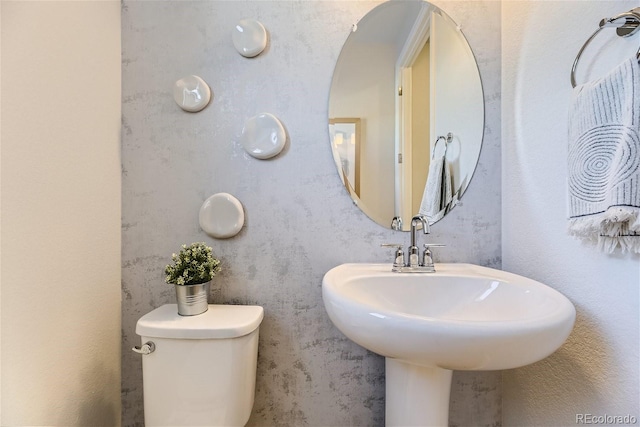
column 406, row 113
column 345, row 144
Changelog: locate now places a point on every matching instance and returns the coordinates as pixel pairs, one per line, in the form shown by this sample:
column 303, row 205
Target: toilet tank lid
column 219, row 321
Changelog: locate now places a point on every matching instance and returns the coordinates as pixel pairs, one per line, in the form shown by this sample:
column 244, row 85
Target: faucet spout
column 425, row 227
column 414, row 260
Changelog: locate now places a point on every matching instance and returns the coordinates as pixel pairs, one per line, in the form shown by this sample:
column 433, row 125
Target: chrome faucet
column 414, row 264
column 414, row 252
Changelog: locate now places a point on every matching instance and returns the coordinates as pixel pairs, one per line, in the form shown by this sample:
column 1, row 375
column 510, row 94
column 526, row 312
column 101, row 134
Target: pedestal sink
column 463, row 317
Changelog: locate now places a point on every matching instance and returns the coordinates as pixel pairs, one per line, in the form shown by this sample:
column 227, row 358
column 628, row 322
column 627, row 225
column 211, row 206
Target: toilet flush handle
column 147, row 348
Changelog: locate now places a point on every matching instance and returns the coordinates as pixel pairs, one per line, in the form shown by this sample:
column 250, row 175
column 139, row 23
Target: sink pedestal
column 463, row 316
column 416, row 395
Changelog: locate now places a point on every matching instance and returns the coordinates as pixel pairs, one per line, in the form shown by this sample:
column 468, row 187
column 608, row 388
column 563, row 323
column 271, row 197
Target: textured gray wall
column 300, row 222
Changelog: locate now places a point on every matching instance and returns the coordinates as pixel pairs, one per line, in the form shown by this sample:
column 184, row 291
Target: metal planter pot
column 192, row 299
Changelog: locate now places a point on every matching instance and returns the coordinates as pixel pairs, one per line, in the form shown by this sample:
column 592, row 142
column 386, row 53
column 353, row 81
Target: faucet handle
column 427, row 257
column 399, row 253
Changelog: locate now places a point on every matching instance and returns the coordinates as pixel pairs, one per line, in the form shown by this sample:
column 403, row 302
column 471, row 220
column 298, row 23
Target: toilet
column 199, row 370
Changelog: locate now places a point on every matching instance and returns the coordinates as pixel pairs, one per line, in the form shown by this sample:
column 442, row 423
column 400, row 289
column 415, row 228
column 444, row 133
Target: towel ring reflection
column 447, row 140
column 626, row 24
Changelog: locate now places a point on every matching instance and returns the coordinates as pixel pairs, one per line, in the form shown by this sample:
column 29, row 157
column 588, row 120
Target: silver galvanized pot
column 192, row 299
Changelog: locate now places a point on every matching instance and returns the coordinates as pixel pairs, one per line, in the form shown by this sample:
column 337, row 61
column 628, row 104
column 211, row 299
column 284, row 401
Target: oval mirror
column 406, row 113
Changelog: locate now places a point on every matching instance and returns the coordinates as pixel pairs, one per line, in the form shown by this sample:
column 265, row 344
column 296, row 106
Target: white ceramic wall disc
column 221, row 216
column 249, row 37
column 263, row 136
column 191, row 93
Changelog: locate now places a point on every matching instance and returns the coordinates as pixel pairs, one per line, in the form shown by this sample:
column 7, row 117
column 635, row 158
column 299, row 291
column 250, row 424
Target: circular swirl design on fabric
column 601, row 159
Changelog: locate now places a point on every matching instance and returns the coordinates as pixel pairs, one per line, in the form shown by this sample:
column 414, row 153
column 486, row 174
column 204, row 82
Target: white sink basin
column 463, row 317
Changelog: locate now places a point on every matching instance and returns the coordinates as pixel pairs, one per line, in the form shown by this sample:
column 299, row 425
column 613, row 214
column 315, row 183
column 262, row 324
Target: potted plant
column 191, row 273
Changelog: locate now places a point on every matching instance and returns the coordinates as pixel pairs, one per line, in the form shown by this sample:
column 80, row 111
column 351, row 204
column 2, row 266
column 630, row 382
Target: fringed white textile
column 604, row 160
column 437, row 192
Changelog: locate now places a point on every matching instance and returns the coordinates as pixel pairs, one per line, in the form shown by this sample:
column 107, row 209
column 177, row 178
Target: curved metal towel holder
column 447, row 140
column 626, row 24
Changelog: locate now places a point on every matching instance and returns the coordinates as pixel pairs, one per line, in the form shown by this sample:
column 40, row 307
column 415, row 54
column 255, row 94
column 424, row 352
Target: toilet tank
column 203, row 369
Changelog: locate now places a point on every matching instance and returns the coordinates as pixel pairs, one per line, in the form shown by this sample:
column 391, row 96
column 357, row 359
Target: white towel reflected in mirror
column 437, row 193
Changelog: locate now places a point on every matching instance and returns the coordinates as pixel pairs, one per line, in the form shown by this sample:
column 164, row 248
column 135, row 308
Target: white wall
column 60, row 176
column 596, row 371
column 0, row 217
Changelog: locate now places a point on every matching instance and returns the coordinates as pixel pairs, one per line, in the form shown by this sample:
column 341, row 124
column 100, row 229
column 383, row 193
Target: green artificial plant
column 194, row 264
